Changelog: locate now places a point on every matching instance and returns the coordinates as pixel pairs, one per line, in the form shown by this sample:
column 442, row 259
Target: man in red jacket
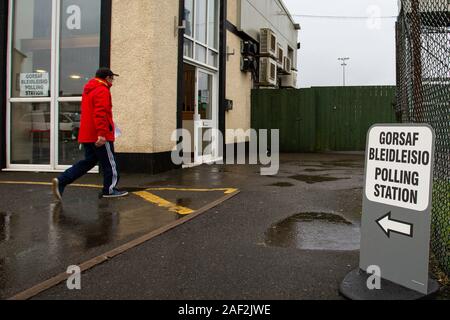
column 97, row 135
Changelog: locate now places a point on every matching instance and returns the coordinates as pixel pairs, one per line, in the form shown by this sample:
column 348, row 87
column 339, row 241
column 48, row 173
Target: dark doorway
column 189, row 74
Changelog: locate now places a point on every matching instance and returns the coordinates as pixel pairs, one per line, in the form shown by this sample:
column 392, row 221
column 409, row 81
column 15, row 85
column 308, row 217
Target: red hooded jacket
column 96, row 112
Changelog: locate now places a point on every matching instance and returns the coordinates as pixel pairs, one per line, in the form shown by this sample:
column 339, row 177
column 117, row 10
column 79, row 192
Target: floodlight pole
column 344, row 64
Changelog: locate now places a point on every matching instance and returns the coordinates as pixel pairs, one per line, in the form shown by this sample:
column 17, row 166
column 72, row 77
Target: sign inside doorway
column 34, row 84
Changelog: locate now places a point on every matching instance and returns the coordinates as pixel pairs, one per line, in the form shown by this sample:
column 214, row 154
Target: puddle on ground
column 310, row 165
column 314, row 179
column 221, row 169
column 326, row 165
column 348, row 164
column 281, row 184
column 314, row 170
column 315, row 231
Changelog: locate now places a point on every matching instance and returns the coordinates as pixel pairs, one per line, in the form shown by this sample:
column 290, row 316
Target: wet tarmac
column 280, row 238
column 40, row 238
column 314, row 179
column 281, row 184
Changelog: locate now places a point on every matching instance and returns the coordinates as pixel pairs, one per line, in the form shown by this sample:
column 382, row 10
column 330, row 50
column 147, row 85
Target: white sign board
column 396, row 222
column 399, row 166
column 34, row 84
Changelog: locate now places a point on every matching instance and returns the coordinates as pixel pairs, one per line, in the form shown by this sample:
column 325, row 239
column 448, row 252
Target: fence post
column 417, row 61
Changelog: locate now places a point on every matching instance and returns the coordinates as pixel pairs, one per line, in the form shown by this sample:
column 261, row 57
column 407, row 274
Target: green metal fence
column 323, row 118
column 423, row 75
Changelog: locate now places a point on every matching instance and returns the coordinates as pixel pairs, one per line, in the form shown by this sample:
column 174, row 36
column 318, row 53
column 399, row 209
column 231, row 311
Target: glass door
column 53, row 50
column 78, row 52
column 205, row 118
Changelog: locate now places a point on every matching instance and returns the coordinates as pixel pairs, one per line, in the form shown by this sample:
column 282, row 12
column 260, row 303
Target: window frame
column 54, row 99
column 206, row 45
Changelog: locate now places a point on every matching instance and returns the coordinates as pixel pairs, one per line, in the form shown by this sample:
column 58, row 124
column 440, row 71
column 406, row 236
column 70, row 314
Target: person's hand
column 100, row 142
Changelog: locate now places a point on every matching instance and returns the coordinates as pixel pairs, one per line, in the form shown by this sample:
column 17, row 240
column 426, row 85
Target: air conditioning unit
column 249, row 64
column 267, row 72
column 249, row 48
column 280, row 56
column 289, row 80
column 268, row 43
column 287, row 65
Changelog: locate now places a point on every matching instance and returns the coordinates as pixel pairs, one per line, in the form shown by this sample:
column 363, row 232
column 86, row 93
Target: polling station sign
column 399, row 166
column 34, row 84
column 397, row 203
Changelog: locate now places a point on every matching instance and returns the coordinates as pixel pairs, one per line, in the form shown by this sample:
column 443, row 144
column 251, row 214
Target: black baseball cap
column 103, row 73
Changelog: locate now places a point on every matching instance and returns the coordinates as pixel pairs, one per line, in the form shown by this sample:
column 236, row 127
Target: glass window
column 189, row 16
column 205, row 24
column 200, row 21
column 204, row 95
column 188, row 48
column 213, row 24
column 30, row 133
column 79, row 44
column 31, row 49
column 76, row 54
column 69, row 127
column 212, row 58
column 200, row 53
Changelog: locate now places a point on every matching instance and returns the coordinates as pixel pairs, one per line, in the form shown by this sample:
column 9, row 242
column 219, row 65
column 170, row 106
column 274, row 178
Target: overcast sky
column 370, row 43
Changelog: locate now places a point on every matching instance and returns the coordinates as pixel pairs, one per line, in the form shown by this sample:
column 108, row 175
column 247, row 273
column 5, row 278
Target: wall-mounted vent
column 267, row 72
column 268, row 43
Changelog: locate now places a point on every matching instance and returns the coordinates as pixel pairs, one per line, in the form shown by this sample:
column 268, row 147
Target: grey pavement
column 232, row 252
column 293, row 236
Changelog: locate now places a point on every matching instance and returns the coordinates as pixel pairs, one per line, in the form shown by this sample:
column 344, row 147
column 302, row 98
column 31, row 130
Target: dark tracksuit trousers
column 93, row 155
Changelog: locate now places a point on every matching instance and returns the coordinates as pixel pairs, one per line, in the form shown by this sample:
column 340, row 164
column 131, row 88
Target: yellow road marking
column 225, row 190
column 149, row 197
column 163, row 203
column 93, row 186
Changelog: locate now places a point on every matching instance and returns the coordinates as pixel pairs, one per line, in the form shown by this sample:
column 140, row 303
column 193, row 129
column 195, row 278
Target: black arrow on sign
column 389, row 225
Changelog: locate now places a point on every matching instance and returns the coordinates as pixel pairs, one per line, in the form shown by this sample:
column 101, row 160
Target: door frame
column 4, row 18
column 200, row 158
column 10, row 100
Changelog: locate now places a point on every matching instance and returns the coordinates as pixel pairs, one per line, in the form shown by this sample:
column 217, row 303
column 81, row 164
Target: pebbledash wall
column 140, row 41
column 144, row 51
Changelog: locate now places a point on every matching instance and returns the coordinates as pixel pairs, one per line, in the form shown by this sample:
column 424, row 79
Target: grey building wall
column 257, row 14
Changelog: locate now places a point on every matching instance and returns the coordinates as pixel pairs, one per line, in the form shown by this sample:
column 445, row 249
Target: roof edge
column 288, row 13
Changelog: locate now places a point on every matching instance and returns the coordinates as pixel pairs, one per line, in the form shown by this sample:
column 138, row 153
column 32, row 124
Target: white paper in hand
column 117, row 131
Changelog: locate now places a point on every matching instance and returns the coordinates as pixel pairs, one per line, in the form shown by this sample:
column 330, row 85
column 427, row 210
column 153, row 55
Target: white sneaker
column 56, row 189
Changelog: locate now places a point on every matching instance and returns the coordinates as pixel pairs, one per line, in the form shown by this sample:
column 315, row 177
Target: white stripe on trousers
column 114, row 168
